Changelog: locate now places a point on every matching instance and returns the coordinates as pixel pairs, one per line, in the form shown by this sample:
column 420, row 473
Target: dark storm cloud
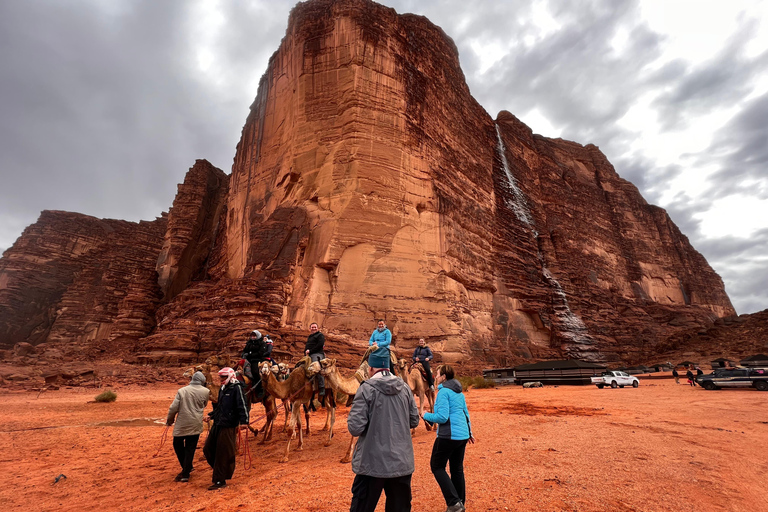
column 104, row 109
column 742, row 264
column 741, row 147
column 723, row 80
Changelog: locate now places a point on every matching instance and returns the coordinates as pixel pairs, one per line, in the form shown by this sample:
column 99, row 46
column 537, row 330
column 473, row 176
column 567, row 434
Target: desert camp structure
column 569, row 371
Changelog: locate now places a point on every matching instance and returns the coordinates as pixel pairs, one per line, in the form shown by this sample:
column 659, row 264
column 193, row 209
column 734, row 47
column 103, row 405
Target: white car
column 615, row 379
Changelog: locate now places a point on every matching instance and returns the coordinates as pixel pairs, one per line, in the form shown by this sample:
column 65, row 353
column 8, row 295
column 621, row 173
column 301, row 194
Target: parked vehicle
column 615, row 379
column 735, row 378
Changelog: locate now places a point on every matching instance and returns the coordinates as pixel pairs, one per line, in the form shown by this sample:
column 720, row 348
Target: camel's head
column 327, row 366
column 265, row 368
column 313, row 369
column 401, row 364
column 275, row 369
column 283, row 369
column 191, row 371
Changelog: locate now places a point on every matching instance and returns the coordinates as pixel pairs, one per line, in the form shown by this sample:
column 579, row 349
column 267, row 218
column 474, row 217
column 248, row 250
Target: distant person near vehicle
column 676, row 375
column 187, row 413
column 689, row 376
column 423, row 354
column 315, row 350
column 454, row 430
column 382, row 414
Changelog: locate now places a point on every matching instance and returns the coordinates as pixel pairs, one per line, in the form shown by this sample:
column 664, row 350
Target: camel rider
column 258, row 348
column 423, row 354
column 314, row 349
column 380, row 340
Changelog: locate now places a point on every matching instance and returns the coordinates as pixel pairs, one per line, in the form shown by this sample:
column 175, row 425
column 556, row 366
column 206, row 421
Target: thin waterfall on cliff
column 518, row 204
column 571, row 326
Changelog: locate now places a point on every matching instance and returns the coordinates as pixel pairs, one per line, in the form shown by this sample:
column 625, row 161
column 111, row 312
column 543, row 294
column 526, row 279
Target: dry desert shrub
column 106, row 396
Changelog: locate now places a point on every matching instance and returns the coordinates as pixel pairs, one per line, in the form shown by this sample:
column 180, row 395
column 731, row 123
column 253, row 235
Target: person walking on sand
column 379, row 342
column 382, row 414
column 676, row 375
column 689, row 376
column 187, row 412
column 228, row 413
column 454, row 430
column 315, row 350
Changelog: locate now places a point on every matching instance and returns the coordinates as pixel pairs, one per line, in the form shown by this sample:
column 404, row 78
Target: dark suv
column 735, row 378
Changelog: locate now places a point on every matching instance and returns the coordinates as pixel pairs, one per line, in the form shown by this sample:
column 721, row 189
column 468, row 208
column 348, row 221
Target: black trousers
column 317, row 356
column 428, row 371
column 451, row 452
column 220, row 451
column 366, row 491
column 185, row 447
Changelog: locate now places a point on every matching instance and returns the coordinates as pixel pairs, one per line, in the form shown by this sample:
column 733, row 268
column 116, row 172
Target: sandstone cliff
column 368, row 183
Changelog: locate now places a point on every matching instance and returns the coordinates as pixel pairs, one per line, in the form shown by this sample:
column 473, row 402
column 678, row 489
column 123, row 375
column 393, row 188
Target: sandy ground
column 658, row 447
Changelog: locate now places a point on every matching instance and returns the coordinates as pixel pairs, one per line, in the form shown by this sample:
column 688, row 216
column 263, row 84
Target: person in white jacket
column 187, row 412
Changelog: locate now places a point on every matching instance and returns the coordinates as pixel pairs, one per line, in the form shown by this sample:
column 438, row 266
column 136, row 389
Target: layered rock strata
column 69, row 277
column 368, row 183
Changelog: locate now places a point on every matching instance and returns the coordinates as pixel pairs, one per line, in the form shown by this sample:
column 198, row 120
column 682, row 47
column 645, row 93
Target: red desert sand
column 659, row 447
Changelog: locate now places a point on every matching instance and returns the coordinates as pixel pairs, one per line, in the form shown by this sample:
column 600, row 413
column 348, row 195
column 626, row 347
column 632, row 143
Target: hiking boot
column 456, row 508
column 217, row 485
column 184, row 479
column 178, row 477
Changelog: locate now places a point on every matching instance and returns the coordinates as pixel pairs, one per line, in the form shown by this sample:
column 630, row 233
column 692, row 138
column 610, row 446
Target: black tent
column 567, row 371
column 721, row 362
column 687, row 363
column 757, row 360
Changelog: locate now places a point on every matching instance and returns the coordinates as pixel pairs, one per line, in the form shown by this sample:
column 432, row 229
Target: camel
column 297, row 387
column 281, row 371
column 335, row 382
column 419, row 387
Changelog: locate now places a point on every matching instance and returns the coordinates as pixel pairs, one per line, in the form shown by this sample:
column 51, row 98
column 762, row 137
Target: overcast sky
column 104, row 105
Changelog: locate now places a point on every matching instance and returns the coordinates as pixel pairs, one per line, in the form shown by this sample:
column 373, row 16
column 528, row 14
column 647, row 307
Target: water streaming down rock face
column 567, row 324
column 368, row 183
column 517, row 202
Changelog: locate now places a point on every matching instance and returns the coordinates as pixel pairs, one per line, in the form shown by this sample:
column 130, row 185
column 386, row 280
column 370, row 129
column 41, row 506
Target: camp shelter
column 687, row 364
column 500, row 375
column 569, row 371
column 755, row 361
column 722, row 362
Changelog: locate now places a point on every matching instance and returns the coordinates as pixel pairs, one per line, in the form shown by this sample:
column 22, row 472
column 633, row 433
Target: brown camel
column 349, row 386
column 419, row 387
column 281, row 372
column 297, row 387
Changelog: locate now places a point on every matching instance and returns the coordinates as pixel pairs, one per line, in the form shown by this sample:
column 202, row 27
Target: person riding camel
column 315, row 350
column 423, row 355
column 258, row 348
column 379, row 341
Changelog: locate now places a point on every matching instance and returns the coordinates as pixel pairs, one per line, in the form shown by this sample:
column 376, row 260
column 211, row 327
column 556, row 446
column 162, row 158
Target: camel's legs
column 348, row 456
column 306, row 416
column 287, row 407
column 332, row 415
column 295, row 419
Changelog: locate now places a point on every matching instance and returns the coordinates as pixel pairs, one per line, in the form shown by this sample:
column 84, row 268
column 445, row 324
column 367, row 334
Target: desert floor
column 659, row 447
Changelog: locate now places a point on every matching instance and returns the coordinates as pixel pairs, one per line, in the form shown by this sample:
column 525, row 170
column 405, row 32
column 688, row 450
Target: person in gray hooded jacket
column 187, row 412
column 382, row 415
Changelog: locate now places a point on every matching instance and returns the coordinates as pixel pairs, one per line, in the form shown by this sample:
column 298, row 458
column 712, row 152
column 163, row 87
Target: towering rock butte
column 368, row 183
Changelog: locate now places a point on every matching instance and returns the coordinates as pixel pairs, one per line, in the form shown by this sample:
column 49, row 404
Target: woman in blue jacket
column 454, row 429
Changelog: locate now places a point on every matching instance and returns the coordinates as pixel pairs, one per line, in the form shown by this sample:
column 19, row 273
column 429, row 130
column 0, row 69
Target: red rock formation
column 69, row 276
column 368, row 183
column 193, row 222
